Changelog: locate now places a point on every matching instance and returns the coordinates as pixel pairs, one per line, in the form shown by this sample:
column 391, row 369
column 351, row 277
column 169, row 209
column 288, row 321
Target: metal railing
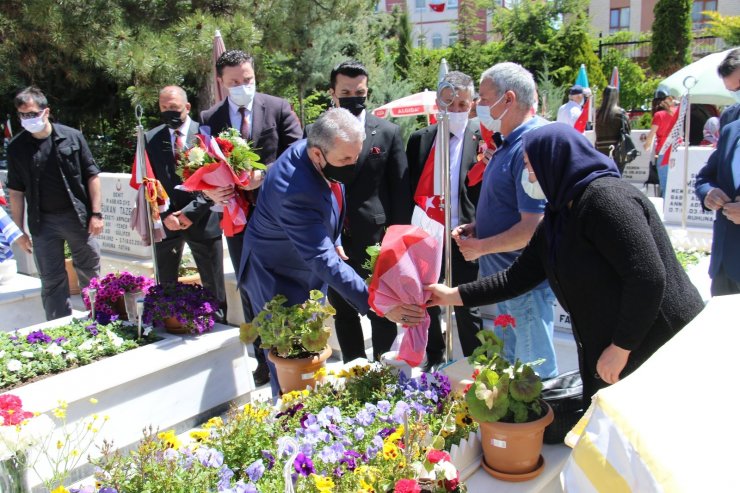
column 700, row 46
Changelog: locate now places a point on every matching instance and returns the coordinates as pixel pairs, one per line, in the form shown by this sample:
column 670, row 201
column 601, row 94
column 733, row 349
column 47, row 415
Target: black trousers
column 722, row 284
column 208, row 255
column 468, row 319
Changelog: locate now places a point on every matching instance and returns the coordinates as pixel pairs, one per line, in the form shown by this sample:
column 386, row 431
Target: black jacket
column 616, row 274
column 75, row 160
column 194, row 206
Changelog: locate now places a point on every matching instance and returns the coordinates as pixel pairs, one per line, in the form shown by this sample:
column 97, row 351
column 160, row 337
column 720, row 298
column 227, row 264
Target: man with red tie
column 189, row 218
column 269, row 124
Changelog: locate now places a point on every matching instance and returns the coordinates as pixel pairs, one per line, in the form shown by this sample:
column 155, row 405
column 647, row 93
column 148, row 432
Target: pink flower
column 11, row 410
column 407, row 486
column 435, row 456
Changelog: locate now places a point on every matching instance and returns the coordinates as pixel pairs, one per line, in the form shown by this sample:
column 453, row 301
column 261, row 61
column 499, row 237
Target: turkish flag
column 475, row 175
column 438, row 7
column 580, row 124
column 136, row 178
column 424, row 196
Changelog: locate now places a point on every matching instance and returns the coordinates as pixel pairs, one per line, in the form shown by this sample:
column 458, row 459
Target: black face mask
column 354, row 104
column 172, row 119
column 338, row 174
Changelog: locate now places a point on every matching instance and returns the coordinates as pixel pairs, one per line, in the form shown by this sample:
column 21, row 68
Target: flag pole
column 689, row 82
column 141, row 171
column 443, row 132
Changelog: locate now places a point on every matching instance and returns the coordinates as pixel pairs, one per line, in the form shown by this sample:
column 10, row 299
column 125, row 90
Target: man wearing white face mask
column 507, row 216
column 269, row 124
column 463, row 155
column 51, row 170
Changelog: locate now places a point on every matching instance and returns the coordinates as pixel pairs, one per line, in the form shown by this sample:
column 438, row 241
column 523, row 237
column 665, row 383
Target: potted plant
column 505, row 401
column 296, row 336
column 111, row 292
column 180, row 308
column 72, row 279
column 187, row 272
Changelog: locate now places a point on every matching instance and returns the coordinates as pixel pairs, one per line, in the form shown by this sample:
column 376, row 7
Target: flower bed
column 31, row 354
column 366, row 430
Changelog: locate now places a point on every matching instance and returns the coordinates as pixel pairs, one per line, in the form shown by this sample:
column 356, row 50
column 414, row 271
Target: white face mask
column 34, row 125
column 242, row 95
column 484, row 115
column 458, row 123
column 737, row 95
column 534, row 190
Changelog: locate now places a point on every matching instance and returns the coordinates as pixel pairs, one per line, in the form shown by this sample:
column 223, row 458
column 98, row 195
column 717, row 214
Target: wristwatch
column 99, row 215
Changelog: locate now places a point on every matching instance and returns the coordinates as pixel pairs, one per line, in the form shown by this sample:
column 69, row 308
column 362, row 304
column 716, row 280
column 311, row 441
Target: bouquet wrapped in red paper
column 409, row 259
column 218, row 162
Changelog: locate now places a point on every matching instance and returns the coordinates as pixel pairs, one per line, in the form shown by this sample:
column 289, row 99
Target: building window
column 421, row 5
column 451, row 4
column 452, row 39
column 436, row 41
column 698, row 20
column 619, row 19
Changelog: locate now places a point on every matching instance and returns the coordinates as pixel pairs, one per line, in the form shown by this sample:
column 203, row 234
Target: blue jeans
column 532, row 337
column 662, row 175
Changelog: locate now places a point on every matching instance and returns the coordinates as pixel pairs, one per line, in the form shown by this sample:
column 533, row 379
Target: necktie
column 178, row 143
column 244, row 130
column 336, row 189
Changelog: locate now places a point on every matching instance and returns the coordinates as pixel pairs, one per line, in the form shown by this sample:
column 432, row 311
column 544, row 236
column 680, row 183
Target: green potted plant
column 504, row 399
column 296, row 336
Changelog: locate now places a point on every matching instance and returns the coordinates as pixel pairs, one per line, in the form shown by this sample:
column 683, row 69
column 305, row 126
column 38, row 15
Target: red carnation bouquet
column 409, row 259
column 218, row 162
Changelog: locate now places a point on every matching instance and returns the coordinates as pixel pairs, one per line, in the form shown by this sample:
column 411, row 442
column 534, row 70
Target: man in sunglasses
column 51, row 170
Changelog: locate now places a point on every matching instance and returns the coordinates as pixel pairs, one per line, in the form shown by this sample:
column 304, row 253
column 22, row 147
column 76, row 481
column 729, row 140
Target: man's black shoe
column 432, row 362
column 261, row 375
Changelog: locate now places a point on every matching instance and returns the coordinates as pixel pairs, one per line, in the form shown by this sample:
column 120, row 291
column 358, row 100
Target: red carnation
column 225, row 145
column 407, row 486
column 504, row 321
column 452, row 484
column 435, row 456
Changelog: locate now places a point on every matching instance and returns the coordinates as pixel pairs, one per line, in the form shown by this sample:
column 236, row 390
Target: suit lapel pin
column 373, row 132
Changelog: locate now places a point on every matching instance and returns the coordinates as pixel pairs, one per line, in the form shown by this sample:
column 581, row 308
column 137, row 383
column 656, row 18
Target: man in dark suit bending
column 189, row 218
column 378, row 195
column 269, row 124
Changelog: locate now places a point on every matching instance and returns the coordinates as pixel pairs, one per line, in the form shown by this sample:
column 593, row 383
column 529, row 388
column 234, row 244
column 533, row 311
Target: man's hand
column 715, row 199
column 731, row 210
column 340, row 252
column 464, row 231
column 471, row 248
column 220, row 195
column 25, row 243
column 95, row 226
column 256, row 177
column 441, row 295
column 177, row 221
column 185, row 222
column 408, row 315
column 611, row 363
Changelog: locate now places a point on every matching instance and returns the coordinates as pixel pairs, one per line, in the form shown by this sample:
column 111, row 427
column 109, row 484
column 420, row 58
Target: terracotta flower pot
column 74, row 283
column 173, row 326
column 120, row 307
column 297, row 373
column 190, row 279
column 511, row 451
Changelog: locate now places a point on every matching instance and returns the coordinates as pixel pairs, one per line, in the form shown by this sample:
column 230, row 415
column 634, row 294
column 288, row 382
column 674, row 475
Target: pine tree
column 671, row 36
column 405, row 45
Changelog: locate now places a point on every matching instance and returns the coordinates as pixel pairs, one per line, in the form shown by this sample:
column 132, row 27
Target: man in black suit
column 729, row 70
column 189, row 218
column 463, row 155
column 377, row 196
column 270, row 125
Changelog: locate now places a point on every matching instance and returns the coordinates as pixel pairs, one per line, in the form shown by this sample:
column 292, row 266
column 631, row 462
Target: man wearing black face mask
column 189, row 218
column 378, row 195
column 291, row 242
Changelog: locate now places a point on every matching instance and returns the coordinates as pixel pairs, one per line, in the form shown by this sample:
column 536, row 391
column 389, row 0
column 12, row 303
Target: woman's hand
column 408, row 315
column 611, row 363
column 441, row 295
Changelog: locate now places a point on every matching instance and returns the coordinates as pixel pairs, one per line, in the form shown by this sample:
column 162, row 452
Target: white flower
column 27, row 354
column 2, row 354
column 14, row 365
column 54, row 349
column 196, row 155
column 87, row 345
column 70, row 356
column 114, row 339
column 146, row 331
column 238, row 141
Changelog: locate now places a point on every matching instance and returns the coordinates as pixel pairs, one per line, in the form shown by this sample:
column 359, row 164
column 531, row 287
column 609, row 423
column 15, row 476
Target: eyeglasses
column 31, row 114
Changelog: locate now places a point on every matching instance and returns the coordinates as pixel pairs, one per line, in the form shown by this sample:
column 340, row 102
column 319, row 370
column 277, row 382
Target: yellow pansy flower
column 323, row 483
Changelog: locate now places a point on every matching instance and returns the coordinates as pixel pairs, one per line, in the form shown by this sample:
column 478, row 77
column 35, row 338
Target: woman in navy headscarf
column 605, row 252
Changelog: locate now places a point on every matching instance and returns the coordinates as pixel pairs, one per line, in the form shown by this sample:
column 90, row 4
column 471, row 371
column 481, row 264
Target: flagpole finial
column 139, row 113
column 445, row 101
